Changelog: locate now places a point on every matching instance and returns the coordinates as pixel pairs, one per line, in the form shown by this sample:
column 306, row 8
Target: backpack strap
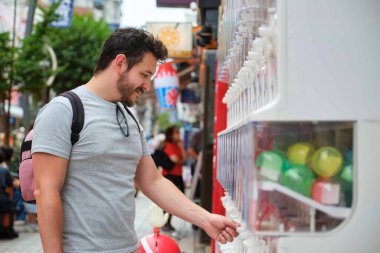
column 25, row 146
column 78, row 115
column 133, row 116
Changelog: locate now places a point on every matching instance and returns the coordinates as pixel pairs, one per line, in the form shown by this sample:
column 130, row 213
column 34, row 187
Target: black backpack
column 26, row 174
column 26, row 169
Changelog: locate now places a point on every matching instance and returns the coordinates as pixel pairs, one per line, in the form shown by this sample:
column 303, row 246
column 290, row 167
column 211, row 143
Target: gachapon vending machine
column 298, row 159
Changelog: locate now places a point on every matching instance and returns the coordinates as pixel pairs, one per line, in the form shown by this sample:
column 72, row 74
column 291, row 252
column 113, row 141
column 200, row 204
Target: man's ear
column 120, row 63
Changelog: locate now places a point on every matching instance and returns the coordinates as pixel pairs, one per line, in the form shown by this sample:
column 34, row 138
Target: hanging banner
column 65, row 11
column 177, row 37
column 166, row 86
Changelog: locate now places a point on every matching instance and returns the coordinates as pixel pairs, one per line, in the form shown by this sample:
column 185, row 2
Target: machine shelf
column 333, row 211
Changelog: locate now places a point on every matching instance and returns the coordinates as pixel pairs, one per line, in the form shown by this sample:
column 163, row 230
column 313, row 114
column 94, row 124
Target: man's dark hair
column 133, row 43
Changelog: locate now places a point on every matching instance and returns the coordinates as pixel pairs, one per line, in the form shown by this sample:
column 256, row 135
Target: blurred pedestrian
column 18, row 202
column 16, row 194
column 173, row 148
column 7, row 207
column 7, row 153
column 194, row 149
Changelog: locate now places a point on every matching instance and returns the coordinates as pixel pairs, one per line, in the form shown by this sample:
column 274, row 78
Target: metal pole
column 209, row 60
column 14, row 23
column 29, row 21
column 25, row 96
column 7, row 116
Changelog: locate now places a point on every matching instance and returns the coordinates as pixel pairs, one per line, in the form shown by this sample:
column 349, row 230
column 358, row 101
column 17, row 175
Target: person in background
column 195, row 147
column 6, row 204
column 173, row 147
column 7, row 153
column 18, row 202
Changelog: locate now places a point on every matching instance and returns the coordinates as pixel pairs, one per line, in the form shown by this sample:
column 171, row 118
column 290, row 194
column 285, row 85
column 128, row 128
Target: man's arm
column 167, row 196
column 49, row 176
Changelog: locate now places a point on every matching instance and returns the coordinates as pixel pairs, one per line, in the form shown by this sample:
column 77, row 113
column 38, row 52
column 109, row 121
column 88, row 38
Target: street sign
column 65, row 10
column 177, row 37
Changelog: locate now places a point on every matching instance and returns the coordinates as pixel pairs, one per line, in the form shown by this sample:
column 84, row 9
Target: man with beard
column 85, row 192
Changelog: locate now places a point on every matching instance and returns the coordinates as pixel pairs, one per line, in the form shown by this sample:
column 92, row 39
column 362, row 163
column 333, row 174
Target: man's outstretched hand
column 220, row 228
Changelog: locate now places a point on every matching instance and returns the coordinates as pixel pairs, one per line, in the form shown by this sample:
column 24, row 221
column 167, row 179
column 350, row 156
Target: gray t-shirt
column 97, row 196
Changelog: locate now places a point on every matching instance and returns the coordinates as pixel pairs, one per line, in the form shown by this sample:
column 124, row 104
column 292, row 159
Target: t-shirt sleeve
column 52, row 129
column 144, row 145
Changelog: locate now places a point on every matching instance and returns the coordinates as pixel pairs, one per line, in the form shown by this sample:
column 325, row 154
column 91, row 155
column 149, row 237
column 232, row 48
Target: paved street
column 29, row 242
